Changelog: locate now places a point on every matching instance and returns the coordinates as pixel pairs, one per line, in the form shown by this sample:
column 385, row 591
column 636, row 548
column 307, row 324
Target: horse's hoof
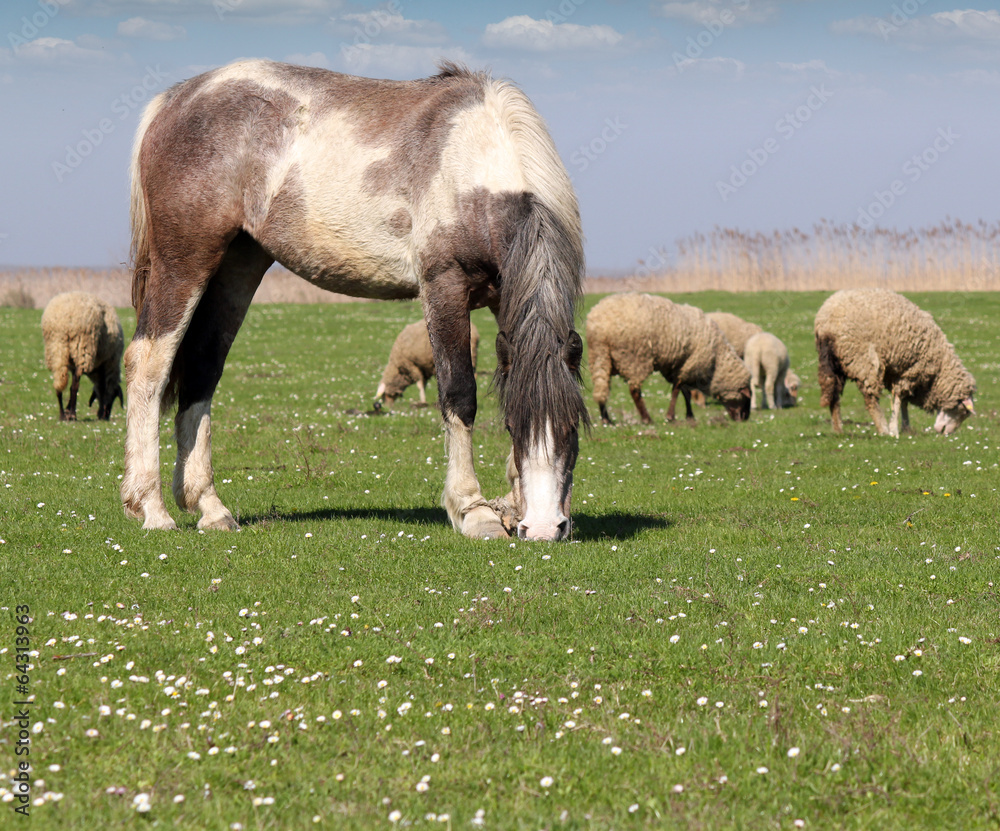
column 160, row 523
column 221, row 523
column 482, row 523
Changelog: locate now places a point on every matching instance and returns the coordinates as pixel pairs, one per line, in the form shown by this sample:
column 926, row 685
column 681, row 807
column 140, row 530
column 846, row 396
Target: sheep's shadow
column 586, row 527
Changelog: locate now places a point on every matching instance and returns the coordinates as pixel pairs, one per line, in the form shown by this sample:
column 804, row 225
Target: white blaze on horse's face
column 546, row 483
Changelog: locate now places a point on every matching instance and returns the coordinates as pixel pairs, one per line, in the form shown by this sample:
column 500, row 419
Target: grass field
column 759, row 625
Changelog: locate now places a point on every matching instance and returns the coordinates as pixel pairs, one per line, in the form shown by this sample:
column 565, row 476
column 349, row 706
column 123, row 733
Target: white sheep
column 634, row 335
column 411, row 361
column 83, row 336
column 882, row 340
column 767, row 359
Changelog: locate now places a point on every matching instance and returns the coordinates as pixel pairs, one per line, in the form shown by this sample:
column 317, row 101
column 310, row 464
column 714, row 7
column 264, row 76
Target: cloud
column 730, row 13
column 57, row 52
column 398, row 60
column 317, row 59
column 716, row 67
column 968, row 27
column 524, row 32
column 139, row 27
column 282, row 12
column 366, row 27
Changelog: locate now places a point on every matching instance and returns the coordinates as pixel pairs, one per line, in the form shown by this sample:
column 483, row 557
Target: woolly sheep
column 737, row 330
column 411, row 361
column 882, row 340
column 767, row 359
column 633, row 335
column 83, row 336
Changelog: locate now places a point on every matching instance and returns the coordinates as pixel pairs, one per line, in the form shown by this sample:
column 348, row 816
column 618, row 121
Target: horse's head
column 542, row 412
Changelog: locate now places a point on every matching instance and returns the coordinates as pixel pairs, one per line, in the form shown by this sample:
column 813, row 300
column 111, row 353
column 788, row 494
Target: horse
column 447, row 188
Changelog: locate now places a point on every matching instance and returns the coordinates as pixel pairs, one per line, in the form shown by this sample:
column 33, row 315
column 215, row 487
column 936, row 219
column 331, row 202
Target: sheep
column 633, row 335
column 737, row 330
column 411, row 361
column 882, row 340
column 83, row 336
column 767, row 359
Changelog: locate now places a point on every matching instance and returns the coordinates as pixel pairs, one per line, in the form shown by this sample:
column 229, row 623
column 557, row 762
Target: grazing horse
column 448, row 189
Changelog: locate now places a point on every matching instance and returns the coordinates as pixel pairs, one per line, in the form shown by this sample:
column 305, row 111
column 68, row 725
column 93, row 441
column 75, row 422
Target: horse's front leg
column 447, row 315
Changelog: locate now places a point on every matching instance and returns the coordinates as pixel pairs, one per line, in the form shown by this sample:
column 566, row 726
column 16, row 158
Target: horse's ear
column 503, row 354
column 573, row 351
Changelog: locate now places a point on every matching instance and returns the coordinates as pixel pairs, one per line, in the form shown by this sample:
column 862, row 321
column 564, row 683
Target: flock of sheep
column 874, row 337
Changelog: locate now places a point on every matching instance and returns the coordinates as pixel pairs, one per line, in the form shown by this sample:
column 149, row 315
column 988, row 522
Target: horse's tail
column 139, row 255
column 541, row 277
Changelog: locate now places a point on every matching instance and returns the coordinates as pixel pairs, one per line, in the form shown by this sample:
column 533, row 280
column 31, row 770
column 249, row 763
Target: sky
column 672, row 118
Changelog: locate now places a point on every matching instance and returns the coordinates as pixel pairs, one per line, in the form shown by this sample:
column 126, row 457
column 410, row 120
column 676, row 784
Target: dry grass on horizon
column 952, row 256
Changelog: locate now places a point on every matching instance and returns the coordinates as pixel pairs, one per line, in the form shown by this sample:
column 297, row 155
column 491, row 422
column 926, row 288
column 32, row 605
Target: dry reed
column 951, row 256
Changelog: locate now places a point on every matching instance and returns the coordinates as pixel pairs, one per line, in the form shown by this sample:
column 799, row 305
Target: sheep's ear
column 573, row 351
column 967, row 403
column 503, row 354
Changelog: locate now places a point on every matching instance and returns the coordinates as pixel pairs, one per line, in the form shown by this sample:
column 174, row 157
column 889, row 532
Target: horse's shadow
column 586, row 527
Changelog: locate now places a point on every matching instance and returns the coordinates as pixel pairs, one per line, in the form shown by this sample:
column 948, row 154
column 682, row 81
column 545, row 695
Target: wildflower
column 793, row 752
column 546, row 781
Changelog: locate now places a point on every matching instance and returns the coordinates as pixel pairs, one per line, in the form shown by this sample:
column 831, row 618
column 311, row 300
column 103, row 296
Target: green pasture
column 755, row 626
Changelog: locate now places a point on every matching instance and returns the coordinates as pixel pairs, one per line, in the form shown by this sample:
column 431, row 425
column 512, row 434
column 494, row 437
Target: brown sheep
column 83, row 336
column 634, row 335
column 882, row 340
column 411, row 361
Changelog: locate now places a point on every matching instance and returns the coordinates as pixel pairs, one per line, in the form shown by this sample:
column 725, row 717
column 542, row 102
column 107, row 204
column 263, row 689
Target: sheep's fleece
column 881, row 340
column 634, row 335
column 83, row 336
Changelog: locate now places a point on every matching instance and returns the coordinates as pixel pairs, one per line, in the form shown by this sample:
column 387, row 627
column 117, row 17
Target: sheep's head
column 737, row 404
column 107, row 387
column 792, row 385
column 949, row 419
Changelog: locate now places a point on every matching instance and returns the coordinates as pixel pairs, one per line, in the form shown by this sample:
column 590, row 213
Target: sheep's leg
column 62, row 412
column 447, row 316
column 673, row 402
column 875, row 411
column 640, row 405
column 769, row 387
column 688, row 412
column 421, row 388
column 74, row 388
column 200, row 361
column 904, row 415
column 894, row 417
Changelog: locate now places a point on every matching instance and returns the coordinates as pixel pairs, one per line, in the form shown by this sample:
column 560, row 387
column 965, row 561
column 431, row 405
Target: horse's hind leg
column 199, row 364
column 447, row 315
column 172, row 291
